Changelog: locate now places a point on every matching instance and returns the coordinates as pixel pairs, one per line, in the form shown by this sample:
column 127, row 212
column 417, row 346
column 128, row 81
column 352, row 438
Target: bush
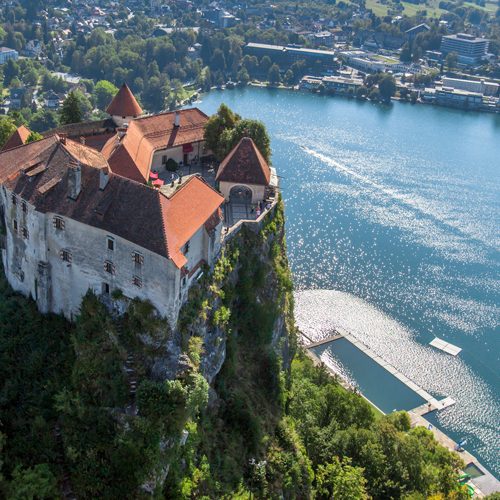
column 172, row 165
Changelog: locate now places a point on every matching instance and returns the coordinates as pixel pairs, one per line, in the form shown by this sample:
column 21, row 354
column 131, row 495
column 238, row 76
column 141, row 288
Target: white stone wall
column 257, row 191
column 176, row 154
column 67, row 283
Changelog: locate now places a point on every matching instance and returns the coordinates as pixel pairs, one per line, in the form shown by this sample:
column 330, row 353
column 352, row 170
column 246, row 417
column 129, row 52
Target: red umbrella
column 158, row 182
column 153, row 175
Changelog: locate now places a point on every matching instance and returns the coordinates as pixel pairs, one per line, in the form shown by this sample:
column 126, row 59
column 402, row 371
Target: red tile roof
column 18, row 138
column 131, row 210
column 244, row 164
column 124, row 103
column 131, row 155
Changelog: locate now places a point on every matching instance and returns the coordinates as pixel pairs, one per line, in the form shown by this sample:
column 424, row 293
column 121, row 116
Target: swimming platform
column 485, row 483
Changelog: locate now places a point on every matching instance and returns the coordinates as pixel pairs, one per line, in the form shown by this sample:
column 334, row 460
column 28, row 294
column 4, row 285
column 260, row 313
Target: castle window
column 186, row 248
column 58, row 223
column 138, row 258
column 109, row 267
column 105, row 288
column 137, row 281
column 14, row 199
column 164, row 159
column 14, row 223
column 25, row 207
column 25, row 232
column 66, row 256
column 111, row 244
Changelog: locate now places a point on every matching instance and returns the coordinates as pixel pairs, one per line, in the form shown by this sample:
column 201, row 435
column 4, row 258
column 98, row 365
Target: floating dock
column 445, row 346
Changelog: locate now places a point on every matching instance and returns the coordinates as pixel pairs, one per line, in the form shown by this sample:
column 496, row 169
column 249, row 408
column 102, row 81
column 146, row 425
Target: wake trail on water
column 407, row 201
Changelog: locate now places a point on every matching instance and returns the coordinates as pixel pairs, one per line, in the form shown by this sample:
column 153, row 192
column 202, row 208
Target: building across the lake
column 285, row 56
column 470, row 49
column 6, row 54
column 85, row 208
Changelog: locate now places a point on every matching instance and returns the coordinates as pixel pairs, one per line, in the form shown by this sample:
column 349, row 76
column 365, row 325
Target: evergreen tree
column 70, row 111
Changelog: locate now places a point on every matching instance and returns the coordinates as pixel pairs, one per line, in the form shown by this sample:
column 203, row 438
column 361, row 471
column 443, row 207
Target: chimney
column 121, row 131
column 177, row 120
column 103, row 178
column 62, row 138
column 74, row 180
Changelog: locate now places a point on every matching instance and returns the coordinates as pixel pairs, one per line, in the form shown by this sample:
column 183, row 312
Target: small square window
column 137, row 281
column 109, row 267
column 138, row 258
column 111, row 244
column 105, row 288
column 25, row 232
column 58, row 223
column 66, row 256
column 14, row 223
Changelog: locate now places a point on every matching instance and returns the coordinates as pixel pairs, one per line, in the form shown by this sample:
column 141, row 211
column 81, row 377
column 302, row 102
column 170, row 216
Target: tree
column 71, row 111
column 34, row 136
column 254, row 129
column 265, row 65
column 219, row 122
column 104, row 92
column 7, row 128
column 387, row 87
column 451, row 60
column 273, row 74
column 37, row 482
column 43, row 120
column 341, row 480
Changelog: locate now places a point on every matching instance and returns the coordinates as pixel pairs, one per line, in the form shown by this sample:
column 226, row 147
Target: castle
column 92, row 206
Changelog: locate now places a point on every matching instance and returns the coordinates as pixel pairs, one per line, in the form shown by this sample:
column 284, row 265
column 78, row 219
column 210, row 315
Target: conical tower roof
column 18, row 138
column 244, row 164
column 124, row 103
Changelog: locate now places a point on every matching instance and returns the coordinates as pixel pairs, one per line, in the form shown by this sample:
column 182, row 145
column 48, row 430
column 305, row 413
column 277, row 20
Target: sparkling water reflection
column 393, row 219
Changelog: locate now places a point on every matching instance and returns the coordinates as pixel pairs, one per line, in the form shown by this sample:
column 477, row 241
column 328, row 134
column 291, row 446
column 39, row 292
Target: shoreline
column 483, row 485
column 295, row 88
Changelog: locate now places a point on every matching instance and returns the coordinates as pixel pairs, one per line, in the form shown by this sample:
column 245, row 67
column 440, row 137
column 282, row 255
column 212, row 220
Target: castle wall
column 34, row 265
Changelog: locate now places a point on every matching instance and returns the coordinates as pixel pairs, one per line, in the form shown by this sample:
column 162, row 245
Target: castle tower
column 124, row 106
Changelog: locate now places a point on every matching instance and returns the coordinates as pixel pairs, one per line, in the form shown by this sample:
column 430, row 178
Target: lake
column 393, row 231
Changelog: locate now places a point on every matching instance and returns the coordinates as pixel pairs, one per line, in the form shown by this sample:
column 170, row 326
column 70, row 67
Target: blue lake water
column 374, row 381
column 393, row 230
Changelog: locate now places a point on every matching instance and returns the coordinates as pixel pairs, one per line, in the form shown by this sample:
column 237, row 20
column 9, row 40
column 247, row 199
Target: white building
column 72, row 225
column 244, row 175
column 6, row 54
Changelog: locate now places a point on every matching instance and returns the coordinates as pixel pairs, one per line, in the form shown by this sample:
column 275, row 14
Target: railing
column 254, row 225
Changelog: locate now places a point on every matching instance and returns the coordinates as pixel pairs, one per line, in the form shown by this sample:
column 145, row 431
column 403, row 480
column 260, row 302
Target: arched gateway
column 240, row 194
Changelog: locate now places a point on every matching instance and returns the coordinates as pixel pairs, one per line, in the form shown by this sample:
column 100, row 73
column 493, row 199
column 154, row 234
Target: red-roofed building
column 71, row 224
column 135, row 145
column 244, row 174
column 18, row 138
column 124, row 106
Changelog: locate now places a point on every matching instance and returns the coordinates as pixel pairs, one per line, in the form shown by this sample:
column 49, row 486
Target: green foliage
column 340, row 480
column 71, row 112
column 172, row 165
column 34, row 136
column 7, row 128
column 254, row 129
column 104, row 92
column 387, row 87
column 33, row 483
column 223, row 120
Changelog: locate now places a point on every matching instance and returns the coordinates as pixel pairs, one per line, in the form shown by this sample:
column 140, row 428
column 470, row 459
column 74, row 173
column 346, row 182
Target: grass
column 410, row 9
